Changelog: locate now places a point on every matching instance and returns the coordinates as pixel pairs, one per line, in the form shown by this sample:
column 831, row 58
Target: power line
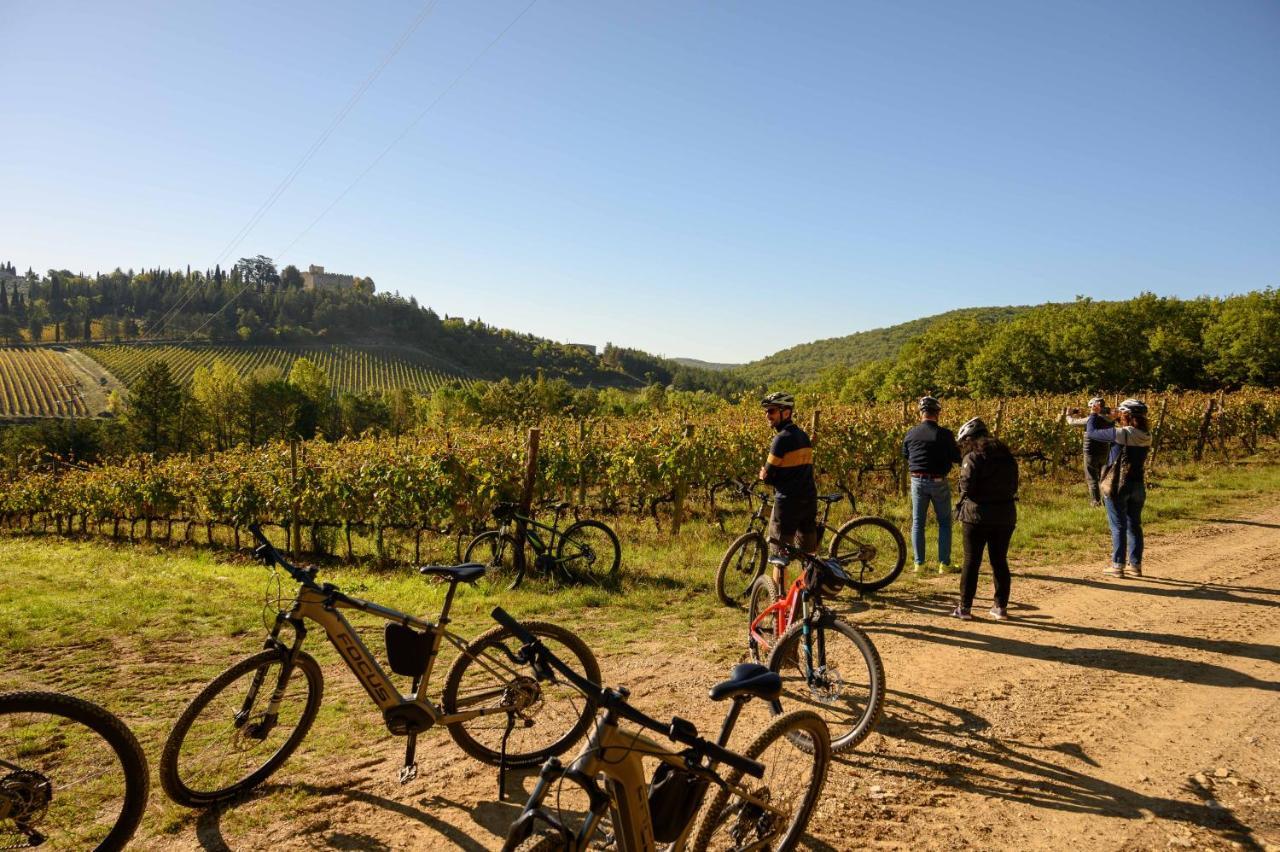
column 307, row 156
column 377, row 159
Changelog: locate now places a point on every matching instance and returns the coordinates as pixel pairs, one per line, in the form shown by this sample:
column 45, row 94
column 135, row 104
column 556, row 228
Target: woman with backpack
column 1123, row 483
column 988, row 513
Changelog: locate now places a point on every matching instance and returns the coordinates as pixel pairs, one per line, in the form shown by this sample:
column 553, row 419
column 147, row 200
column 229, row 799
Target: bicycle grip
column 504, row 618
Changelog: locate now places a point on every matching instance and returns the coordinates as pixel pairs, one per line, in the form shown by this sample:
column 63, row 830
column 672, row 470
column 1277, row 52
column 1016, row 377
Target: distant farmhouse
column 315, row 278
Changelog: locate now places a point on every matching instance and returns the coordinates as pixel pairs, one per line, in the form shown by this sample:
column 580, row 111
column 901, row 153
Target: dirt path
column 1109, row 714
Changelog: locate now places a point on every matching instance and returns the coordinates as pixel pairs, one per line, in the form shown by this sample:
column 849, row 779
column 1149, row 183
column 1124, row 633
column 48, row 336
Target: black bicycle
column 72, row 776
column 871, row 550
column 585, row 552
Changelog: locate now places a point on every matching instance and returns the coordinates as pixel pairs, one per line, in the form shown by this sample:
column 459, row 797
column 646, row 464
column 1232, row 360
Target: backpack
column 1113, row 474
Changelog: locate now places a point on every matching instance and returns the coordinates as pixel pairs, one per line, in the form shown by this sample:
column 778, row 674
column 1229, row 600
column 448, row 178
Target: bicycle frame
column 784, row 612
column 618, row 757
column 323, row 606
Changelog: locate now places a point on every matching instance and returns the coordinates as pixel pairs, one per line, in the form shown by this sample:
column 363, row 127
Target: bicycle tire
column 178, row 780
column 763, row 594
column 27, row 770
column 864, row 559
column 745, row 557
column 850, row 699
column 481, row 737
column 495, row 550
column 588, row 556
column 777, row 748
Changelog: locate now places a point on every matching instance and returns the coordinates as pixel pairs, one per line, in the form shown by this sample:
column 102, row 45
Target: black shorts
column 795, row 520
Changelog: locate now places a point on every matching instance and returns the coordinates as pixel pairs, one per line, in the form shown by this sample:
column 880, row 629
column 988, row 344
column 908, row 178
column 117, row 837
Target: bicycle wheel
column 495, row 550
column 226, row 742
column 548, row 715
column 836, row 673
column 589, row 553
column 872, row 552
column 741, row 564
column 763, row 593
column 793, row 779
column 72, row 776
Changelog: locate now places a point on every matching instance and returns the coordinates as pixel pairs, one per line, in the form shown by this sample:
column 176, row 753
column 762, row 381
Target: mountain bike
column 247, row 722
column 871, row 549
column 72, row 776
column 767, row 809
column 585, row 552
column 826, row 663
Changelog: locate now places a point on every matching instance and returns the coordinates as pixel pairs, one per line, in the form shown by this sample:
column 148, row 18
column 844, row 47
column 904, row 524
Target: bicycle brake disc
column 826, row 686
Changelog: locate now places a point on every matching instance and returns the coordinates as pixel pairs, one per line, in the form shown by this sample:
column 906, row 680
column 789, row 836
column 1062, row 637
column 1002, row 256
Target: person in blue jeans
column 930, row 451
column 1130, row 441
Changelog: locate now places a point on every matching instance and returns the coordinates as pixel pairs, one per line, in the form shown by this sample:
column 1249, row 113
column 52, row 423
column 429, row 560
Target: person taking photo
column 1124, row 488
column 1095, row 452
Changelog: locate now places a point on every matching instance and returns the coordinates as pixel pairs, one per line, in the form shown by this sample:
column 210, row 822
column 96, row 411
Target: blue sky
column 717, row 180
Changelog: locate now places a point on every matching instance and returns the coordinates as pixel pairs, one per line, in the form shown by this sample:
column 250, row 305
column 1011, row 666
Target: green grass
column 139, row 628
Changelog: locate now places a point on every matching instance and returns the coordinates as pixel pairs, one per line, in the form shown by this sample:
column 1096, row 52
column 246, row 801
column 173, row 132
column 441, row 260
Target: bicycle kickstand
column 409, row 771
column 502, row 758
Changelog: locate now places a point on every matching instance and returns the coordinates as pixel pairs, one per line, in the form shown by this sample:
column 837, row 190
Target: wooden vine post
column 681, row 491
column 526, row 493
column 1205, row 421
column 1157, row 432
column 295, row 528
column 999, row 418
column 582, row 465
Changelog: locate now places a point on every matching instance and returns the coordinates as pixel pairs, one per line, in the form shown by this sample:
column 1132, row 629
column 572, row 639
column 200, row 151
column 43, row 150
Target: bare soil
column 1107, row 714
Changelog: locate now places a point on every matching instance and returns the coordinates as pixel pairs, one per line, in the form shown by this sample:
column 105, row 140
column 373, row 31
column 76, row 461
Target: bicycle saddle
column 830, row 498
column 750, row 679
column 467, row 573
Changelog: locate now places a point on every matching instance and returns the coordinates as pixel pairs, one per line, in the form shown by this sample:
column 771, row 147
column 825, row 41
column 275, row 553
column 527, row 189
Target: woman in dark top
column 1130, row 441
column 988, row 513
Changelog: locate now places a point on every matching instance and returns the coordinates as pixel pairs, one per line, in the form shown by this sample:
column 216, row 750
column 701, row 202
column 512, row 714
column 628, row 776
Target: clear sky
column 708, row 179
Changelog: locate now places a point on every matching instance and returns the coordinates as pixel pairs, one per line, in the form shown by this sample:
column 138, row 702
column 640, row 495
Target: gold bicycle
column 762, row 802
column 497, row 707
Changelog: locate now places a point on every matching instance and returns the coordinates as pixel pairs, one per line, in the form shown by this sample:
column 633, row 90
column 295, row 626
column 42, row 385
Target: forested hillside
column 253, row 303
column 804, row 362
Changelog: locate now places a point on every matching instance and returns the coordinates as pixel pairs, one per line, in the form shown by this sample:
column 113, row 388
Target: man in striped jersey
column 789, row 469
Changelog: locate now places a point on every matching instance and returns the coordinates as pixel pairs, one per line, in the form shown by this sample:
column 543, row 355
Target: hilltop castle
column 315, row 278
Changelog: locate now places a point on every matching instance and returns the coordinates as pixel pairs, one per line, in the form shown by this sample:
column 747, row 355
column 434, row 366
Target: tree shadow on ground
column 1166, row 588
column 972, row 759
column 1240, row 521
column 1117, row 660
column 493, row 816
column 1025, row 617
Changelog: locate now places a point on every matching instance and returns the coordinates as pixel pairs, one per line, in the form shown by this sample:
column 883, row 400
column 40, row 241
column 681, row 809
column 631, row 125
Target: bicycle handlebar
column 267, row 552
column 679, row 730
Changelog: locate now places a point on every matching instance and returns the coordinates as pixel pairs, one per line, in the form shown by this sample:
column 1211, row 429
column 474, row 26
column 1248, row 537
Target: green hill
column 804, row 362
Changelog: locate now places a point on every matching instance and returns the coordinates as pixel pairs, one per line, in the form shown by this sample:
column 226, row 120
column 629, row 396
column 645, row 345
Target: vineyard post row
column 448, row 481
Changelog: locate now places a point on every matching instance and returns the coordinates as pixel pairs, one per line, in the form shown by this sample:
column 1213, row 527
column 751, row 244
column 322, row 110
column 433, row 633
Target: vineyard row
column 350, row 369
column 37, row 383
column 443, row 480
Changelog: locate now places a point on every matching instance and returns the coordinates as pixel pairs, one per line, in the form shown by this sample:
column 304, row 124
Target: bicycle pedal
column 408, row 773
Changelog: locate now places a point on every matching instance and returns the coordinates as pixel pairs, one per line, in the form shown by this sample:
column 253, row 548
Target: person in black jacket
column 930, row 451
column 1095, row 452
column 789, row 469
column 988, row 513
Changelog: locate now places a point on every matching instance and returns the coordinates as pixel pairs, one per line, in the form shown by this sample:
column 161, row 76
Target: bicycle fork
column 261, row 729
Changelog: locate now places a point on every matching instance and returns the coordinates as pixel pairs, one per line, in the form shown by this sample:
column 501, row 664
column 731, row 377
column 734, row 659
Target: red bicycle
column 826, row 663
